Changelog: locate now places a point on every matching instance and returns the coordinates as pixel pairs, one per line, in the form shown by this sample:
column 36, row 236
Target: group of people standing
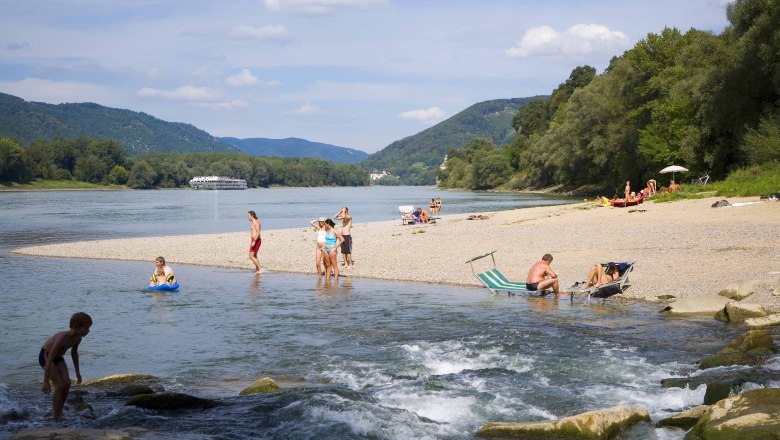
column 329, row 241
column 435, row 207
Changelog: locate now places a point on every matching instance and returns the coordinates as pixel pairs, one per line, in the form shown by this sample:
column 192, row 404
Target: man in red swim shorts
column 254, row 241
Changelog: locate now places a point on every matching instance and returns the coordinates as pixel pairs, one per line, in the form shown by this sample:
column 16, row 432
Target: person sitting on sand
column 599, row 275
column 541, row 276
column 651, row 186
column 422, row 215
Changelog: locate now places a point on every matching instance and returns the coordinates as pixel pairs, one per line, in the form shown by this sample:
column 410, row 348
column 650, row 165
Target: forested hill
column 138, row 133
column 296, row 147
column 416, row 158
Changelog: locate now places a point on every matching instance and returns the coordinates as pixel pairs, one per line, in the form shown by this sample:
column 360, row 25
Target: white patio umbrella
column 673, row 169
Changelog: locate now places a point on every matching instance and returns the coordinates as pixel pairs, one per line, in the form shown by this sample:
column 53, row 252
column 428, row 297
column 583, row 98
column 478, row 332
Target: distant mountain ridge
column 296, row 147
column 137, row 132
column 418, row 156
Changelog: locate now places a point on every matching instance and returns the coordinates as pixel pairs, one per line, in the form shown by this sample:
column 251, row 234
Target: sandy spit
column 683, row 248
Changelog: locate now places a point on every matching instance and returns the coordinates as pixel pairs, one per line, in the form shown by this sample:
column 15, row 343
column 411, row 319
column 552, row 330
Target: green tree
column 118, row 175
column 579, row 77
column 89, row 169
column 142, row 176
column 12, row 163
column 532, row 118
column 762, row 144
column 490, row 170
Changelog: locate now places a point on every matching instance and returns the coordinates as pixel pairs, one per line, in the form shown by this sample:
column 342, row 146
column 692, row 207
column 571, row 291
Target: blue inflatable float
column 173, row 286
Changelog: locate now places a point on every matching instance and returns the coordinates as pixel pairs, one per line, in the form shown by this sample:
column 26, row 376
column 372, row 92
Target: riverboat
column 217, row 182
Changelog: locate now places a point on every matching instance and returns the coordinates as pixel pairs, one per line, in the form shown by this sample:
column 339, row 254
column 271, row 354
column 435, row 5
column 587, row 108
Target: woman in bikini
column 319, row 250
column 333, row 240
column 600, row 275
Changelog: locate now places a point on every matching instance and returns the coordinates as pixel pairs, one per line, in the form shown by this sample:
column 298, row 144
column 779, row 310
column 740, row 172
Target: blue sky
column 354, row 73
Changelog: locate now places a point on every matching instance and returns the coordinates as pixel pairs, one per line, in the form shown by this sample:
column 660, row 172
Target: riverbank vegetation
column 704, row 101
column 101, row 162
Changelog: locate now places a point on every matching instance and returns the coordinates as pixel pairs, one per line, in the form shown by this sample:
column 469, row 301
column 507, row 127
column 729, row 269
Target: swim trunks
column 532, row 286
column 346, row 246
column 42, row 358
column 255, row 246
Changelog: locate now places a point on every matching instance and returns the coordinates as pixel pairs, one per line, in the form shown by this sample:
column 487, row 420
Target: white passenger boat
column 217, row 182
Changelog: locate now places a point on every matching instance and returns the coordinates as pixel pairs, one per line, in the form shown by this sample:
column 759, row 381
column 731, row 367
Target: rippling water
column 360, row 358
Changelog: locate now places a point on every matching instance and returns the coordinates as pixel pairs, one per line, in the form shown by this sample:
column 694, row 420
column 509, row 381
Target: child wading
column 53, row 363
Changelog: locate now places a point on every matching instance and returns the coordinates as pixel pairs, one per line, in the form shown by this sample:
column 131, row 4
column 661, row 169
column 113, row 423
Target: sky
column 353, row 73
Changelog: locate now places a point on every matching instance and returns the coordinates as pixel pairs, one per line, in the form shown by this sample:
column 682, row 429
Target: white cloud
column 225, row 105
column 306, row 109
column 242, row 79
column 57, row 92
column 184, row 93
column 576, row 40
column 429, row 115
column 265, row 33
column 319, row 7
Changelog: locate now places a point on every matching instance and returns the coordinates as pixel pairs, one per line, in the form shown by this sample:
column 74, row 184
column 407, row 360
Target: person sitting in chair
column 600, row 275
column 541, row 276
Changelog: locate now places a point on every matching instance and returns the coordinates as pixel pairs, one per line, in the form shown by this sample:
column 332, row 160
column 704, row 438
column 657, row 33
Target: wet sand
column 683, row 248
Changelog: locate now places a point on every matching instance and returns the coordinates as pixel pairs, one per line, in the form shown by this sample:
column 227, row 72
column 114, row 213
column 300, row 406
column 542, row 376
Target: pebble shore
column 682, row 248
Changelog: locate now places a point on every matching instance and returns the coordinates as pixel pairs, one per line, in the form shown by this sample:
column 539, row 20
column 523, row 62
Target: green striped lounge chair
column 496, row 282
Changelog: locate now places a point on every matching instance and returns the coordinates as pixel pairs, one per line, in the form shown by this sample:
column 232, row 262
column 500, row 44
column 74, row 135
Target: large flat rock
column 601, row 424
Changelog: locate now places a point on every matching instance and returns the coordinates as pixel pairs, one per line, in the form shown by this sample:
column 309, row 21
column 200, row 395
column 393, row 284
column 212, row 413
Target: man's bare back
column 541, row 276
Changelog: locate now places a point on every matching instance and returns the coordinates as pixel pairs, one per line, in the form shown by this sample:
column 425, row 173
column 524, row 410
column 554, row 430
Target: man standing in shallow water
column 541, row 275
column 254, row 240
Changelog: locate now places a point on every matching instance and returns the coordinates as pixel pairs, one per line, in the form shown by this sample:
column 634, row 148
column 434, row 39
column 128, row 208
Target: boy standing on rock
column 52, row 361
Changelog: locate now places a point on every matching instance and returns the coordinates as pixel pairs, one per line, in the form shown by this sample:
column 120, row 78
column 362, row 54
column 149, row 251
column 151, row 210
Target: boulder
column 741, row 290
column 716, row 392
column 768, row 321
column 738, row 312
column 748, row 349
column 596, row 425
column 117, row 379
column 684, row 420
column 135, row 389
column 77, row 434
column 264, row 385
column 170, row 401
column 752, row 415
column 706, row 305
column 776, row 291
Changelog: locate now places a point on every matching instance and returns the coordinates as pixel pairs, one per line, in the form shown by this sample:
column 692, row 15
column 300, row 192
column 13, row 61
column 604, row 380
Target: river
column 363, row 359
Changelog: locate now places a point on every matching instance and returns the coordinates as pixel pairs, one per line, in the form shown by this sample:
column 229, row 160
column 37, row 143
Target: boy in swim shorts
column 51, row 359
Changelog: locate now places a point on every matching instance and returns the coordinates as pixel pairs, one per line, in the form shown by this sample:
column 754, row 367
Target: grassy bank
column 756, row 180
column 41, row 184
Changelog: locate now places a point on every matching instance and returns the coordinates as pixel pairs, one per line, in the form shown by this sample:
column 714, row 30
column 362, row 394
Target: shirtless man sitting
column 541, row 276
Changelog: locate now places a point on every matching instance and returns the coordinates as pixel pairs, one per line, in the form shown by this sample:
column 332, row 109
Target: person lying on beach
column 541, row 276
column 599, row 275
column 51, row 359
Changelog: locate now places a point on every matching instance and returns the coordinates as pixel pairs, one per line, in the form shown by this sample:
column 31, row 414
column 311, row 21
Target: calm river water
column 372, row 359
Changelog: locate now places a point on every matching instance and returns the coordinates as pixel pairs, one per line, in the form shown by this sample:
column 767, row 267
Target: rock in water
column 752, row 415
column 596, row 425
column 170, row 401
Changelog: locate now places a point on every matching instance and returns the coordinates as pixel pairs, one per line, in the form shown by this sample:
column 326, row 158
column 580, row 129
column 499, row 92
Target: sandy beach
column 683, row 248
